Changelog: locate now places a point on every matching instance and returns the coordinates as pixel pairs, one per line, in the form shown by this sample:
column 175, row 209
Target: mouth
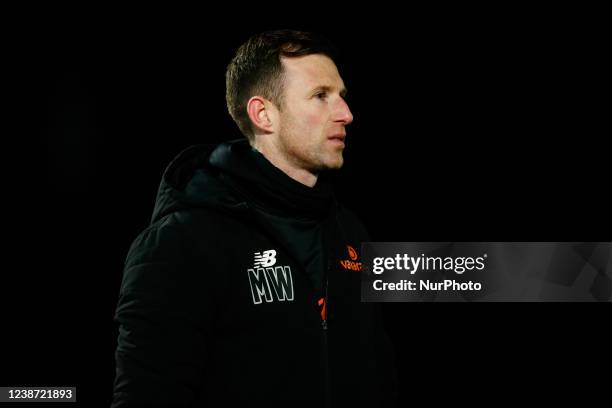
column 337, row 139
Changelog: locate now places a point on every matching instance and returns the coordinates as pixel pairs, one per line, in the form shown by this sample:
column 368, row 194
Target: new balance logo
column 271, row 283
column 265, row 259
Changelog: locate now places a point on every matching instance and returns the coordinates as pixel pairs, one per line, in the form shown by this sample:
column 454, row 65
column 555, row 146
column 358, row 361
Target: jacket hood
column 190, row 181
column 232, row 174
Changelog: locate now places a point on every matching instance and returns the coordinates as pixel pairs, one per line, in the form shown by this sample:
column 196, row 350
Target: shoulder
column 177, row 234
column 160, row 241
column 201, row 219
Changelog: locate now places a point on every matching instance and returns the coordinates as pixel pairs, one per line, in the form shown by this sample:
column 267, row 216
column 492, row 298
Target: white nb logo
column 265, row 259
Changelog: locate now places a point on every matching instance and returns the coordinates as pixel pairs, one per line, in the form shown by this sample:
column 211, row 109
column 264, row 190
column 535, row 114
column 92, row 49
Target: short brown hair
column 256, row 69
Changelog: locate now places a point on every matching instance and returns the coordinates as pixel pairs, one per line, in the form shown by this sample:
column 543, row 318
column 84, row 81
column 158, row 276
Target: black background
column 470, row 125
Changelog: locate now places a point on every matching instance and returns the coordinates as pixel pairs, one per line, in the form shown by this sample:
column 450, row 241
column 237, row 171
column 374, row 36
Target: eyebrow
column 327, row 88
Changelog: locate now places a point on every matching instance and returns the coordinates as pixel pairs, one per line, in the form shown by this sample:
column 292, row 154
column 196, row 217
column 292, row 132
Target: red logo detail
column 352, row 253
column 350, row 265
column 321, row 304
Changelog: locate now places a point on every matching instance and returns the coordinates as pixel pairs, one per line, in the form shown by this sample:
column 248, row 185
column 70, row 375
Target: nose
column 343, row 113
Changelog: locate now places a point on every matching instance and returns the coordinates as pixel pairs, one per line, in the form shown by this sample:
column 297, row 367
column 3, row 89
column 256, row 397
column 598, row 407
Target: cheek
column 307, row 120
column 313, row 121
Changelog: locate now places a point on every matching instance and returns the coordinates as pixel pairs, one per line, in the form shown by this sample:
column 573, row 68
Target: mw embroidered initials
column 271, row 283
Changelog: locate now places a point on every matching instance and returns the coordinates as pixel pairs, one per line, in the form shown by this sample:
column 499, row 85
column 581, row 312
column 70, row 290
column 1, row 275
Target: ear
column 262, row 114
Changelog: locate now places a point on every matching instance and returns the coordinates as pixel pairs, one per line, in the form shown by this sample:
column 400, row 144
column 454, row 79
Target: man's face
column 314, row 113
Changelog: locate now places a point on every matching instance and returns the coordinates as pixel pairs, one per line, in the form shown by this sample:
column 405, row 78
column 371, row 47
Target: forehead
column 311, row 71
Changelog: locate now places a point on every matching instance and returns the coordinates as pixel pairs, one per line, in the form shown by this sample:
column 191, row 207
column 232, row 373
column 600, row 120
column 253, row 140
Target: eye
column 321, row 95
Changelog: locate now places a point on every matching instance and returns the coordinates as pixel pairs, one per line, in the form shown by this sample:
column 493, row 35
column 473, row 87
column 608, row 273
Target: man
column 245, row 288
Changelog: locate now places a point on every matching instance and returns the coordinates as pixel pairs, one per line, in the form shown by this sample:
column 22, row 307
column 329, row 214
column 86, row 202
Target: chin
column 328, row 162
column 335, row 164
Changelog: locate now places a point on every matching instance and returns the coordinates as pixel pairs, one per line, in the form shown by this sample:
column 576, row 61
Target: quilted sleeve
column 163, row 316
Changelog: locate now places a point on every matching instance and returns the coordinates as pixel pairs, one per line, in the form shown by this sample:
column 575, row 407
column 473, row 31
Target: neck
column 278, row 160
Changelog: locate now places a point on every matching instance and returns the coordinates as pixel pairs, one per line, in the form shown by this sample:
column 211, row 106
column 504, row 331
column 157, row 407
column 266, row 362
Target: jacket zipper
column 326, row 374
